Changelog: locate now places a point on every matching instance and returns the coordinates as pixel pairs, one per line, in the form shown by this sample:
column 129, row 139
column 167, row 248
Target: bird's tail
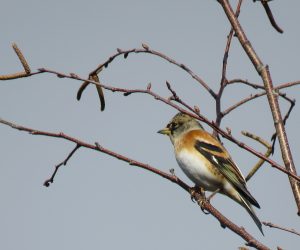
column 250, row 210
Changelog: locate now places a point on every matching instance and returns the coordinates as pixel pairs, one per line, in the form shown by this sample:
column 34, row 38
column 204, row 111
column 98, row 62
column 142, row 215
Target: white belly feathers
column 193, row 166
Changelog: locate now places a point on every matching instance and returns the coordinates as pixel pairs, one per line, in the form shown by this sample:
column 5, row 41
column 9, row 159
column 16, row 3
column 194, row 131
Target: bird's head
column 179, row 125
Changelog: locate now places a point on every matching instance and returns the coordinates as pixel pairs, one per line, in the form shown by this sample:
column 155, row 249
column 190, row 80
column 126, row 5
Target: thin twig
column 261, row 161
column 64, row 162
column 176, row 98
column 269, row 224
column 146, row 49
column 246, row 82
column 223, row 81
column 270, row 15
column 252, row 97
column 292, row 104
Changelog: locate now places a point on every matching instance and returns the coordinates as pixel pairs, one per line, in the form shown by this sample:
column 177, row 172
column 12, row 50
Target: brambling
column 207, row 163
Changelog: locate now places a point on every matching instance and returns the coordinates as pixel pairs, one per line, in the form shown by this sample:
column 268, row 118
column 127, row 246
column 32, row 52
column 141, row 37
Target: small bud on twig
column 73, row 75
column 228, row 130
column 145, row 46
column 149, row 86
column 197, row 110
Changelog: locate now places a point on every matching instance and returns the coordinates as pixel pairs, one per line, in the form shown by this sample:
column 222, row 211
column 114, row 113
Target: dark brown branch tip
column 47, row 183
column 41, row 70
column 223, row 226
column 183, row 66
column 127, row 93
column 60, row 76
column 168, row 85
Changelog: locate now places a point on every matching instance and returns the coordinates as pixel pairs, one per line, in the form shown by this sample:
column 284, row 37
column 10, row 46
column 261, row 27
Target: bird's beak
column 165, row 131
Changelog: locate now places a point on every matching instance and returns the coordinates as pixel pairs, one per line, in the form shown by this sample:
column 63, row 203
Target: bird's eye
column 173, row 125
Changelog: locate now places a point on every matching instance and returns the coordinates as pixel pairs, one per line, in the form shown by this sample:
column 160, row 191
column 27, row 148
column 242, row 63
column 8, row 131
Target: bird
column 207, row 163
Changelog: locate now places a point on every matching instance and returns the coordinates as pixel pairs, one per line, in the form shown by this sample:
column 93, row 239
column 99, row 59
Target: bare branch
column 263, row 71
column 241, row 102
column 147, row 49
column 223, row 82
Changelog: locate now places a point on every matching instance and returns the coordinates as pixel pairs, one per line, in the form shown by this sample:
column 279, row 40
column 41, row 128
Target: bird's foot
column 194, row 191
column 198, row 195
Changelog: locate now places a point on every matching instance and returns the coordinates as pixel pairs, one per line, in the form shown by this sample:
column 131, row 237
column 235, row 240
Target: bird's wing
column 213, row 151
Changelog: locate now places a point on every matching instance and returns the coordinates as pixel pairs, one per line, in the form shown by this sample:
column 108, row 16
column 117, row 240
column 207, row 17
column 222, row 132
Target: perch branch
column 203, row 203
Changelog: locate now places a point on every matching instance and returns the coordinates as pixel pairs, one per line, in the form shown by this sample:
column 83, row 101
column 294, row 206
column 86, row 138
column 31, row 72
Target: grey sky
column 98, row 202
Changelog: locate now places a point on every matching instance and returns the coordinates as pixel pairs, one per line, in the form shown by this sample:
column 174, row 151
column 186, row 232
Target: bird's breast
column 199, row 170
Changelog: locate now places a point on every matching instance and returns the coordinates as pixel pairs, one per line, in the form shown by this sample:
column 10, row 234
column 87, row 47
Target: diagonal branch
column 195, row 114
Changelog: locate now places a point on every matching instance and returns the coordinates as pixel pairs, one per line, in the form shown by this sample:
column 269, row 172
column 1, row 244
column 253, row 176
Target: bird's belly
column 201, row 173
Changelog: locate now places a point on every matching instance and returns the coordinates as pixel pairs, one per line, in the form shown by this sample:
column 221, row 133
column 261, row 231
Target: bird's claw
column 200, row 200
